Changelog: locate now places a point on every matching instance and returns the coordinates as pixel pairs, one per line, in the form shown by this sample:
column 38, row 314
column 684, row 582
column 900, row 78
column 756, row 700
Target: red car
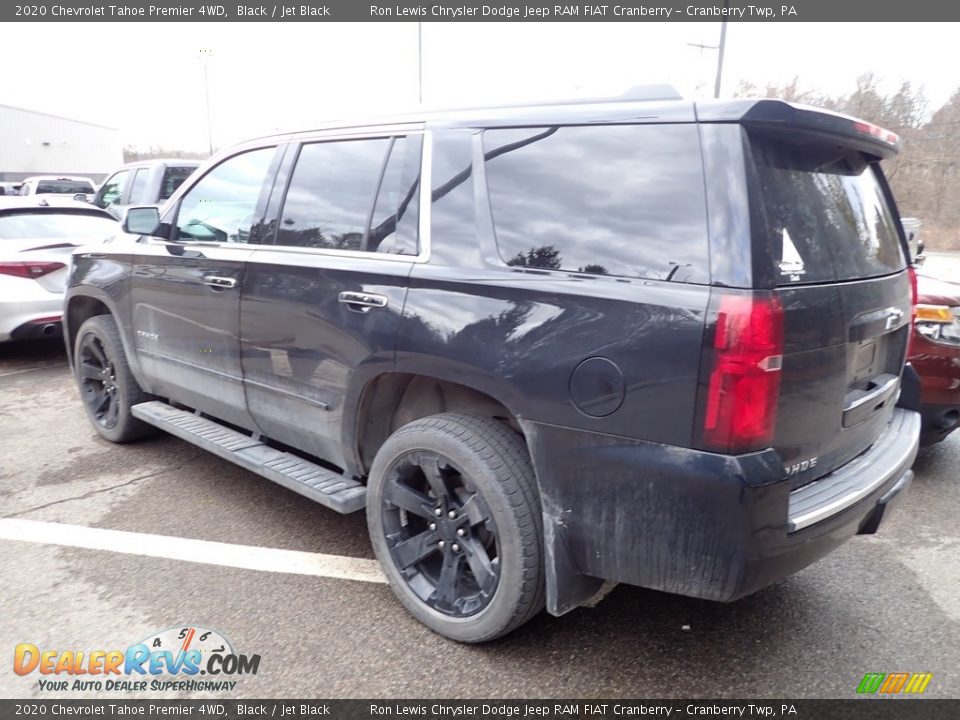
column 935, row 353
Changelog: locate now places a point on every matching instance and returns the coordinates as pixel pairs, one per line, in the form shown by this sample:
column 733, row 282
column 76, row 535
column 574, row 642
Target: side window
column 331, row 194
column 173, row 178
column 394, row 226
column 624, row 200
column 221, row 207
column 112, row 189
column 138, row 188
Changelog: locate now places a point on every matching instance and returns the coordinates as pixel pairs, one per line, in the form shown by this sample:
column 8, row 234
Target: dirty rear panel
column 826, row 231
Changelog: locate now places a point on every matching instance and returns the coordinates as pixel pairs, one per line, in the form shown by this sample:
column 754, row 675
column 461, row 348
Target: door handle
column 362, row 302
column 219, row 282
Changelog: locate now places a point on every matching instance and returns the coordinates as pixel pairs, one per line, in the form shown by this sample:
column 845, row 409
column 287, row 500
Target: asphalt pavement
column 886, row 603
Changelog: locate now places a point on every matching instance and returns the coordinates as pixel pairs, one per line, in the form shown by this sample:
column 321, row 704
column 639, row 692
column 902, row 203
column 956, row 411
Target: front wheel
column 107, row 386
column 455, row 521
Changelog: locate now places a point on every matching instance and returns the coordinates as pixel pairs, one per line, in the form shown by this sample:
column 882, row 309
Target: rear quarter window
column 825, row 214
column 620, row 200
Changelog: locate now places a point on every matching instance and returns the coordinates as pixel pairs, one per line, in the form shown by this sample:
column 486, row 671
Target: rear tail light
column 912, row 274
column 744, row 382
column 32, row 270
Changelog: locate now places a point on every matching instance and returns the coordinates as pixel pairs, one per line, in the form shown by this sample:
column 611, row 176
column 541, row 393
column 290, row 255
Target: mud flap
column 567, row 588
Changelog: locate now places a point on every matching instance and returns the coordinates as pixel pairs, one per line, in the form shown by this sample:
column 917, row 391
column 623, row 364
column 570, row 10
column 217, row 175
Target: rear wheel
column 107, row 386
column 455, row 522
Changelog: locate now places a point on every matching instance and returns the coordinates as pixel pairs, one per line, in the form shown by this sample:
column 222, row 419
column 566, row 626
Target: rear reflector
column 32, row 270
column 744, row 383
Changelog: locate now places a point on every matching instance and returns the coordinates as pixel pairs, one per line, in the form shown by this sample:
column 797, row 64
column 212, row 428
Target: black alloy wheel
column 97, row 376
column 440, row 534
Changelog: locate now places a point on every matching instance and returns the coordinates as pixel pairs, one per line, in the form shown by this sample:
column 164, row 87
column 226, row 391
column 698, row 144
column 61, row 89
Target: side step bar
column 324, row 486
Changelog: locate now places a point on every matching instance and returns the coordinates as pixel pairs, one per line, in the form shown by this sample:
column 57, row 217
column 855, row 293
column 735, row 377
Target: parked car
column 911, row 228
column 935, row 353
column 148, row 182
column 37, row 235
column 52, row 185
column 651, row 341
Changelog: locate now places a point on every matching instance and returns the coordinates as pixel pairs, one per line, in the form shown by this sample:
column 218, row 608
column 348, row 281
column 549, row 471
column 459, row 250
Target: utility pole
column 720, row 49
column 205, row 56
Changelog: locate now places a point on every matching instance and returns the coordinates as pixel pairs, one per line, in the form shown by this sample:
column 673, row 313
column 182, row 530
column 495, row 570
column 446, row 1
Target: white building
column 35, row 143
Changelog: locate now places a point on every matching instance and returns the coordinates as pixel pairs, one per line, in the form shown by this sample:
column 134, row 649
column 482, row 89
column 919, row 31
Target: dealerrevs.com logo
column 172, row 659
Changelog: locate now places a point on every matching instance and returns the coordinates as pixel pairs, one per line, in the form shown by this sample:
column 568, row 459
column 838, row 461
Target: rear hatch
column 825, row 235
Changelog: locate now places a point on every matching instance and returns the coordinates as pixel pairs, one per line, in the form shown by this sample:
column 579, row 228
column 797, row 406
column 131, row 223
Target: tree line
column 925, row 176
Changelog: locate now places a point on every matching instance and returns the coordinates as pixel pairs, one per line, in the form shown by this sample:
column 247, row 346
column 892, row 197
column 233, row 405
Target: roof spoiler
column 781, row 116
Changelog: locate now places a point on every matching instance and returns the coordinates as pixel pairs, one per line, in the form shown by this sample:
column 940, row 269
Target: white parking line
column 247, row 557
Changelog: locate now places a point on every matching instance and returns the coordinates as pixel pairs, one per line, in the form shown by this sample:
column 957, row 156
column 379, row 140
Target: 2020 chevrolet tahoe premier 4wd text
column 654, row 342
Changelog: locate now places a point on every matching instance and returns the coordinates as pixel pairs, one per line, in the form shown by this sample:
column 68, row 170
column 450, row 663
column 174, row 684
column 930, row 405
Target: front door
column 186, row 284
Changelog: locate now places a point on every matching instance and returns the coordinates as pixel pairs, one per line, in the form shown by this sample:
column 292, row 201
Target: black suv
column 648, row 341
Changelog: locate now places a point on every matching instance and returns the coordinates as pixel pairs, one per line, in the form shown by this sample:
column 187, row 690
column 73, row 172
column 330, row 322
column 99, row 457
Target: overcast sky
column 147, row 79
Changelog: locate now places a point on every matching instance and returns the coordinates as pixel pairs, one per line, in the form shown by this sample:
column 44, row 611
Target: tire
column 487, row 537
column 107, row 387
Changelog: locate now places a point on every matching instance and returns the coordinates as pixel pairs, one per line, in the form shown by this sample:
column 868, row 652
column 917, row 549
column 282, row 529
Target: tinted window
column 173, row 178
column 612, row 200
column 112, row 189
column 331, row 192
column 63, row 187
column 221, row 207
column 55, row 226
column 827, row 218
column 138, row 188
column 396, row 213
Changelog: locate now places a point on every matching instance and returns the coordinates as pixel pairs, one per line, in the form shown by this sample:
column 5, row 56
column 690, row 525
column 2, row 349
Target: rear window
column 173, row 178
column 63, row 187
column 624, row 200
column 826, row 215
column 49, row 225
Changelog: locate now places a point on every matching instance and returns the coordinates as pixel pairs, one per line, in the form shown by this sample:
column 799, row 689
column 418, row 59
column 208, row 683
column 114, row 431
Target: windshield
column 827, row 217
column 51, row 225
column 63, row 187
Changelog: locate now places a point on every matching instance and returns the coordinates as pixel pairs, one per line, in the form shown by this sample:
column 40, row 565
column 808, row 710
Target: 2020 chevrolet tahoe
column 649, row 341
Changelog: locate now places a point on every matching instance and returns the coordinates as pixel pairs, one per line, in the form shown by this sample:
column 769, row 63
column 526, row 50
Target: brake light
column 31, row 270
column 744, row 384
column 914, row 295
column 891, row 138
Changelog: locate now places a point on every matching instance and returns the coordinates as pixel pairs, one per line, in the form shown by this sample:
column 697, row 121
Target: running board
column 324, row 486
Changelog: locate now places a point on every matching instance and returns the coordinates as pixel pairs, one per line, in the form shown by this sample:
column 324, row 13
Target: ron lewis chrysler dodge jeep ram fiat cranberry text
column 643, row 340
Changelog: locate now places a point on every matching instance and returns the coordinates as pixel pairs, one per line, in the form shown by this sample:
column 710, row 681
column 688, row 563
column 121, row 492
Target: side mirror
column 141, row 220
column 81, row 197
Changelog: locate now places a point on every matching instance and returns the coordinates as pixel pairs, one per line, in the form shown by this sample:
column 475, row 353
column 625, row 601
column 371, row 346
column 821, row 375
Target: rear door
column 825, row 228
column 321, row 307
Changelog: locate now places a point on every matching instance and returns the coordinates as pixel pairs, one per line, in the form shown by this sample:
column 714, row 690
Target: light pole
column 205, row 55
column 420, row 63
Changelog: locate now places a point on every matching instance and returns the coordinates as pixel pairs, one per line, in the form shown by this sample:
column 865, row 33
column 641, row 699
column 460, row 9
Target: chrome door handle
column 220, row 282
column 362, row 302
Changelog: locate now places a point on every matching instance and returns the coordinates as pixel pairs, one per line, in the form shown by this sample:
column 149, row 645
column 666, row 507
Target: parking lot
column 885, row 603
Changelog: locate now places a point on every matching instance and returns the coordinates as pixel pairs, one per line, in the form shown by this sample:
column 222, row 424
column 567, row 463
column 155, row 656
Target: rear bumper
column 700, row 524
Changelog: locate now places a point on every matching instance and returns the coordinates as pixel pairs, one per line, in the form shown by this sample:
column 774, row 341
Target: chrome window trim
column 426, row 193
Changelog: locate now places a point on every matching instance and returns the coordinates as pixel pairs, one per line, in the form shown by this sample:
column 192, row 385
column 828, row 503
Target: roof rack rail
column 652, row 92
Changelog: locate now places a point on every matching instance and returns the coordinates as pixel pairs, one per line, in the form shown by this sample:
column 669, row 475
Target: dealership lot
column 880, row 604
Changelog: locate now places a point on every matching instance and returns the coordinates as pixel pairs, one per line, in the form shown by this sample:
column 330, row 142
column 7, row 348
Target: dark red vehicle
column 935, row 353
